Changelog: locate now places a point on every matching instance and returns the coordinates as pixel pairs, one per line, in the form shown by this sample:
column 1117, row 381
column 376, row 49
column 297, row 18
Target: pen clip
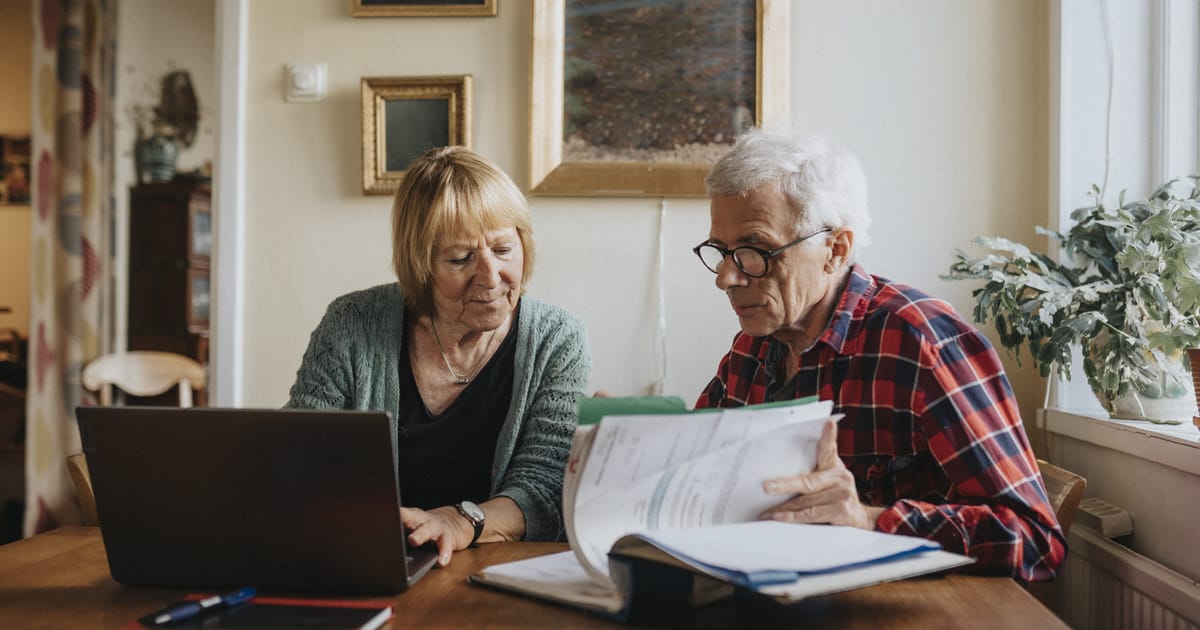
column 240, row 596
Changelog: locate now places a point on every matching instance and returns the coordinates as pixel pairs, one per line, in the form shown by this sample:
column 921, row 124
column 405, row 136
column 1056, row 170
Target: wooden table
column 60, row 580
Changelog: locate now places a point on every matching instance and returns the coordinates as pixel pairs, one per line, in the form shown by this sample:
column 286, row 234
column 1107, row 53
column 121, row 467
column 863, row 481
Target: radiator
column 1108, row 586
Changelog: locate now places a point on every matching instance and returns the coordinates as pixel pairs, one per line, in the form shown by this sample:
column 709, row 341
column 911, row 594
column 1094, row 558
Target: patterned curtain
column 71, row 302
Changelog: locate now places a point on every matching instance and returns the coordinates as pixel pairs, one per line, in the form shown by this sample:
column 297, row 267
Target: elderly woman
column 482, row 380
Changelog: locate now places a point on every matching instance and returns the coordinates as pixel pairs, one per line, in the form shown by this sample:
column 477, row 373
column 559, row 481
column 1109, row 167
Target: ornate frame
column 376, row 91
column 486, row 8
column 550, row 175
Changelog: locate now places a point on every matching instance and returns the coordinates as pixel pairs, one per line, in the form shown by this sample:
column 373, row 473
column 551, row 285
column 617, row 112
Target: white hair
column 823, row 184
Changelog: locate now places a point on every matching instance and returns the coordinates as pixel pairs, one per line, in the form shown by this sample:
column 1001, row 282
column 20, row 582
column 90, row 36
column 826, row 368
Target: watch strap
column 477, row 523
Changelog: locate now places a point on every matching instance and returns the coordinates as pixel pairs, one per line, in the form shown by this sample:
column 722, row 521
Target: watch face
column 473, row 512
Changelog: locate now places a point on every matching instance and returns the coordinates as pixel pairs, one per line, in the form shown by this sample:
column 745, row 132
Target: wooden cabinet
column 170, row 242
column 12, row 461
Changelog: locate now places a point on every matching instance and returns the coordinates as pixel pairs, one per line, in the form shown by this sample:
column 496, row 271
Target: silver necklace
column 461, row 380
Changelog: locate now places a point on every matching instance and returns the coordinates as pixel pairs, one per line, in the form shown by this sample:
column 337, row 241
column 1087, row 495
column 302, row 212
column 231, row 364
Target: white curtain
column 71, row 302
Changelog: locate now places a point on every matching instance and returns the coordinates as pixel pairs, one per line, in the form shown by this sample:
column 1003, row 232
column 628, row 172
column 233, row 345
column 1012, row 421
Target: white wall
column 154, row 38
column 311, row 235
column 944, row 100
column 945, row 103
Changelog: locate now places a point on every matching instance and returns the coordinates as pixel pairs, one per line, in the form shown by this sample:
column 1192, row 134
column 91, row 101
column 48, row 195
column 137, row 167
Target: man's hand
column 826, row 495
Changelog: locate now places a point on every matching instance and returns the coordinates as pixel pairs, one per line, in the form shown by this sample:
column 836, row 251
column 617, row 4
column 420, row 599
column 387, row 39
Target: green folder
column 591, row 410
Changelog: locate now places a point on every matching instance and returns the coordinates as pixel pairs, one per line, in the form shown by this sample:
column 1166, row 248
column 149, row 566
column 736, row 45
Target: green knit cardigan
column 352, row 362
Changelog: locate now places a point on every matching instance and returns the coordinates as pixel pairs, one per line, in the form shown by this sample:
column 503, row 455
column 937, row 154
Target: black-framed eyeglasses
column 751, row 261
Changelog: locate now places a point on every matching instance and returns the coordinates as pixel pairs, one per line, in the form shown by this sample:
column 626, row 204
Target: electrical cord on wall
column 1108, row 50
column 660, row 327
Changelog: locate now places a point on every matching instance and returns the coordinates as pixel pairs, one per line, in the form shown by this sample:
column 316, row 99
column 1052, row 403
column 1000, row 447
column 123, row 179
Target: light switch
column 305, row 82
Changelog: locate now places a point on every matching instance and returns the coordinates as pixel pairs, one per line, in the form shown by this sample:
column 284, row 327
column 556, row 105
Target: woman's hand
column 826, row 495
column 448, row 529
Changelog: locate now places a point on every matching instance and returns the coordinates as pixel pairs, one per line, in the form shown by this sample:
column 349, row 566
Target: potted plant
column 1128, row 295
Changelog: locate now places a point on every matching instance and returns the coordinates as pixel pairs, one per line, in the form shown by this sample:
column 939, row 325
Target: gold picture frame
column 375, row 8
column 403, row 116
column 551, row 173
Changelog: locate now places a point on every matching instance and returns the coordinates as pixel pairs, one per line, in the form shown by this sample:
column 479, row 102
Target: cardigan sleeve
column 324, row 380
column 561, row 368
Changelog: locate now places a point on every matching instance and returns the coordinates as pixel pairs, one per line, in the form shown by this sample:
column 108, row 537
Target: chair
column 82, row 480
column 144, row 373
column 141, row 373
column 1065, row 489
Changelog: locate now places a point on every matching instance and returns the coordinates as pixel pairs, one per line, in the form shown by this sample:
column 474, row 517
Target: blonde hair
column 451, row 191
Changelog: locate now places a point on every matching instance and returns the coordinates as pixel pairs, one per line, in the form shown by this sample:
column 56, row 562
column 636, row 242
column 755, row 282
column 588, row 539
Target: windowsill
column 1175, row 446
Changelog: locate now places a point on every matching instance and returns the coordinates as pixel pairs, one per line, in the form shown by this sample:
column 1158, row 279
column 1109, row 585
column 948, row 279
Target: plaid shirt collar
column 857, row 293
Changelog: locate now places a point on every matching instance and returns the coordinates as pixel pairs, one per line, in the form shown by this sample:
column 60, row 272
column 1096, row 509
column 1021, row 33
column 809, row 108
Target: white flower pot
column 1173, row 399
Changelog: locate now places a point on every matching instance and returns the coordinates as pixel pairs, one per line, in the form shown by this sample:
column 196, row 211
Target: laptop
column 281, row 499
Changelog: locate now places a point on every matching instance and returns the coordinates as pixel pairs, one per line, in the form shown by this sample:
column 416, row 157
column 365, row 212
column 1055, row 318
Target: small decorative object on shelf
column 165, row 129
column 156, row 158
column 1128, row 294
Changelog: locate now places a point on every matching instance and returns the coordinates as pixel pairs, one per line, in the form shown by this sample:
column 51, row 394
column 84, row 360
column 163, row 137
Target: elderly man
column 931, row 444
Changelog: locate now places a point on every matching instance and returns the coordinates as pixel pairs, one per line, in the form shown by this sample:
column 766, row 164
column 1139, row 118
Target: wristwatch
column 475, row 514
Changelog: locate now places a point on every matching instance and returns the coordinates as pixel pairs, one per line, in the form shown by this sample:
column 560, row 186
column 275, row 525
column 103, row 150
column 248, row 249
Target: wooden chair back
column 1065, row 489
column 144, row 373
column 82, row 480
column 141, row 373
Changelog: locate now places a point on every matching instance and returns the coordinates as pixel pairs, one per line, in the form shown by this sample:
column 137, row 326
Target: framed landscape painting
column 640, row 99
column 404, row 116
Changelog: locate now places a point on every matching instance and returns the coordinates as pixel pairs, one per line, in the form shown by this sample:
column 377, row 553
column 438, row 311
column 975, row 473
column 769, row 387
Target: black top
column 448, row 458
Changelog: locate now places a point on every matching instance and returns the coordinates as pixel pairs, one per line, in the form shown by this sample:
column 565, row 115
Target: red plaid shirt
column 932, row 431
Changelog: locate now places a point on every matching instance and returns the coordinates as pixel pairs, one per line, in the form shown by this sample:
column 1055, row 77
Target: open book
column 654, row 499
